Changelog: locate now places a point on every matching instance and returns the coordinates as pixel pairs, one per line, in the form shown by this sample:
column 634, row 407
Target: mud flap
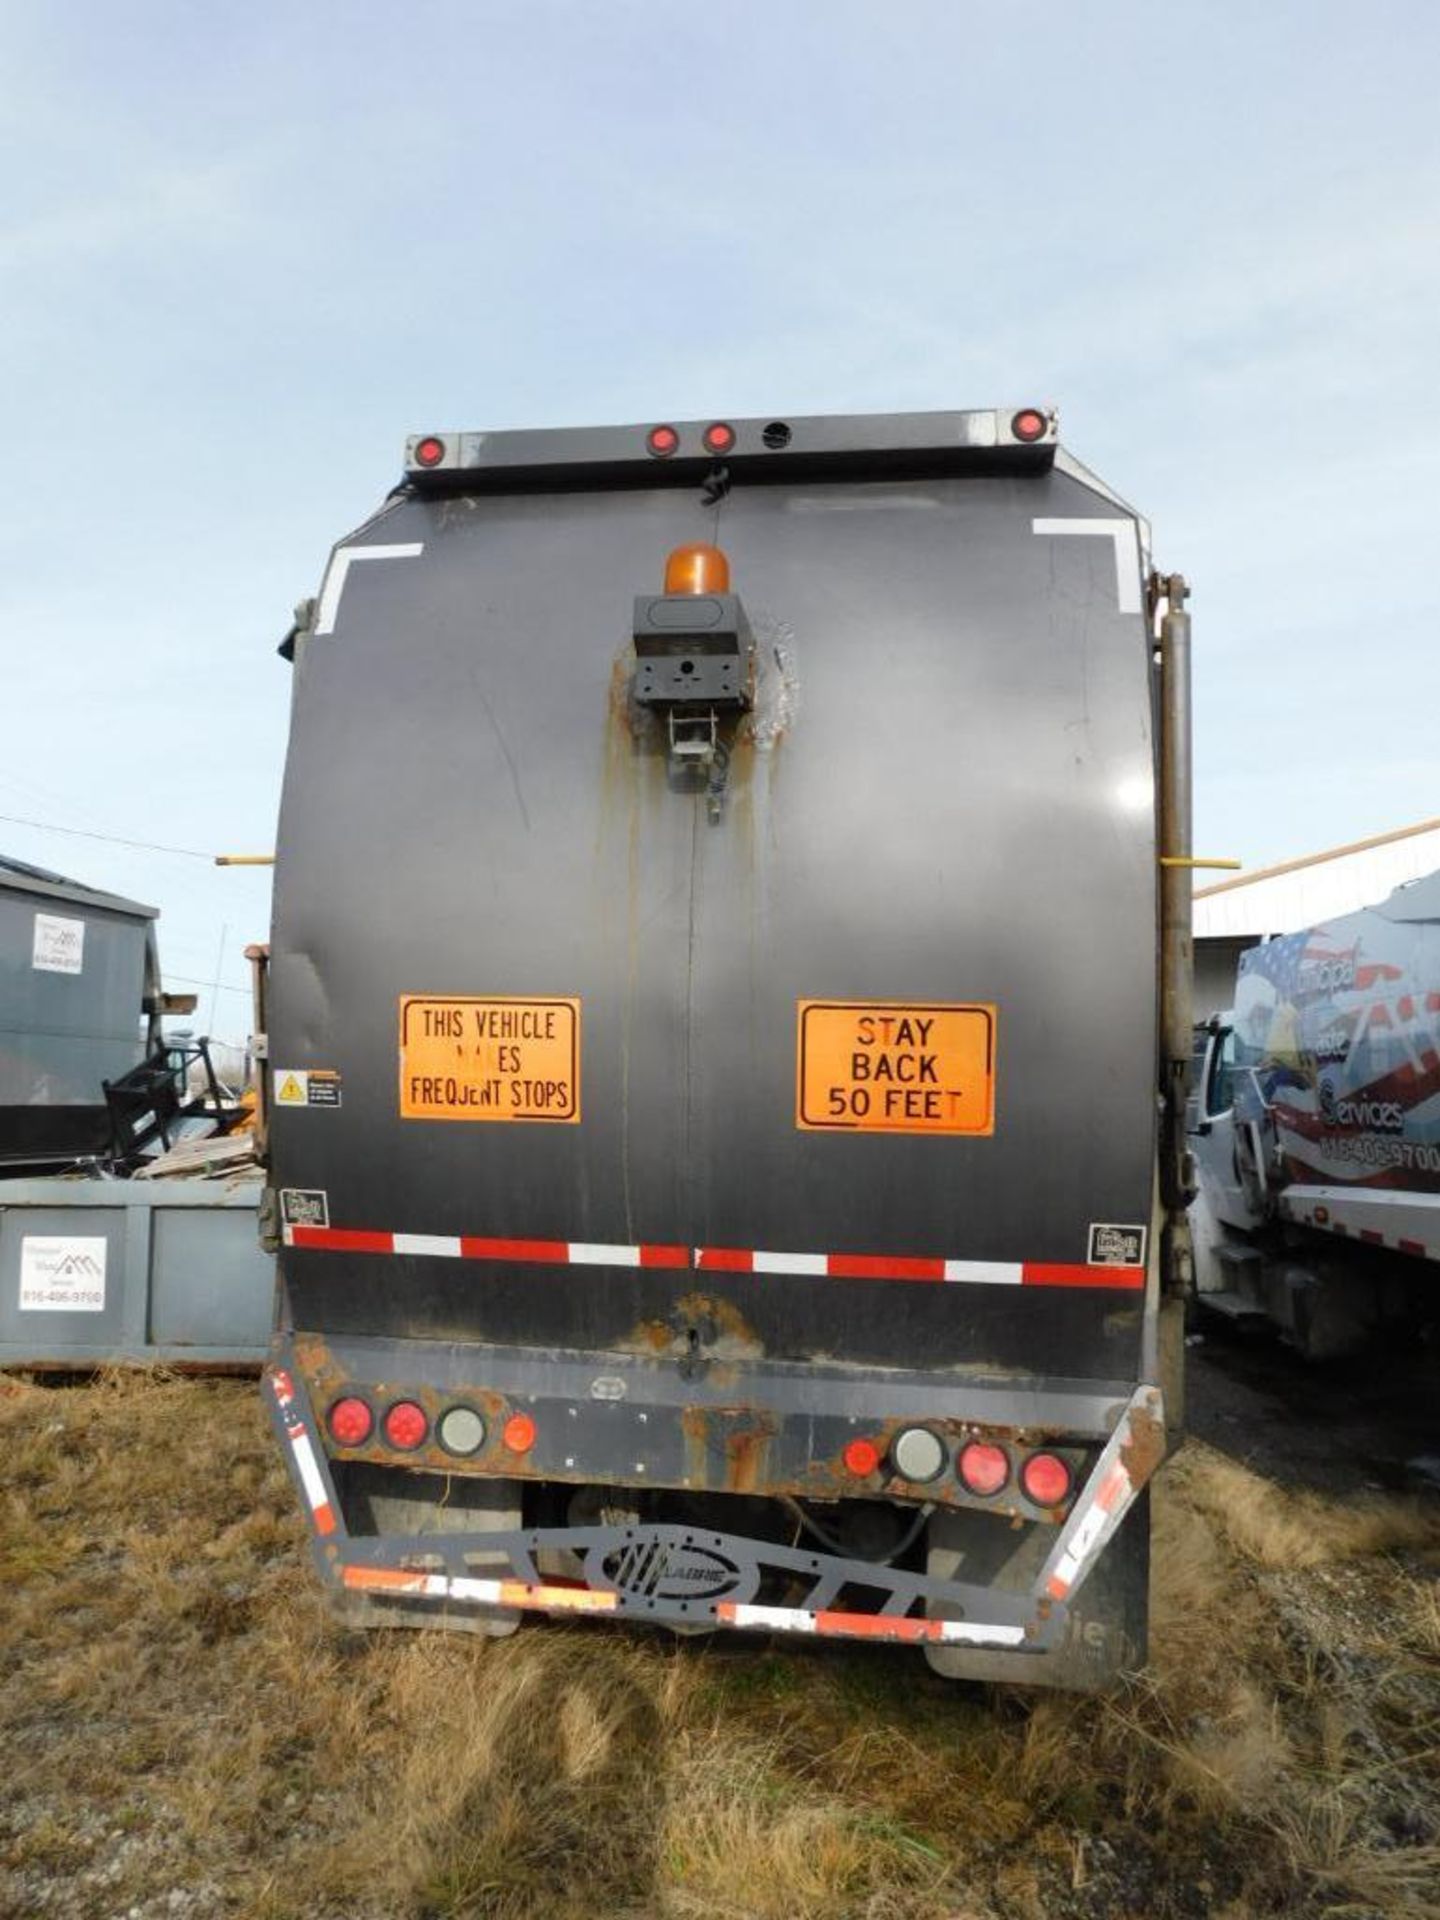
column 377, row 1500
column 1106, row 1628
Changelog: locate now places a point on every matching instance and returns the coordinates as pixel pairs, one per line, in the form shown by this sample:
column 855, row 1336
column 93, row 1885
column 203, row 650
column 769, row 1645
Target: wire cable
column 114, row 839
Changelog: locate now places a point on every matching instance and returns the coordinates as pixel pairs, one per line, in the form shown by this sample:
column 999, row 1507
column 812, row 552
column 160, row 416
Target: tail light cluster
column 983, row 1468
column 404, row 1426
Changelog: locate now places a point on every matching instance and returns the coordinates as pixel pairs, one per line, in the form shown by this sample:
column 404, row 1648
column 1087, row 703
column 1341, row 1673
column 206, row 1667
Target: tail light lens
column 1046, row 1479
column 430, row 451
column 406, row 1426
column 662, row 441
column 720, row 438
column 1029, row 424
column 862, row 1458
column 518, row 1433
column 983, row 1469
column 351, row 1421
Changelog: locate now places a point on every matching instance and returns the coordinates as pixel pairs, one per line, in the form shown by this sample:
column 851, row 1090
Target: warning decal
column 491, row 1058
column 307, row 1087
column 878, row 1066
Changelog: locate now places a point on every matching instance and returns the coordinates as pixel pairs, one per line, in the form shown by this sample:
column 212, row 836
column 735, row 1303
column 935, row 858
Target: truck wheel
column 1106, row 1627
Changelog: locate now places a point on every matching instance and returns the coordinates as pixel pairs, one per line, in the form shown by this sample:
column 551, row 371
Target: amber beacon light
column 697, row 569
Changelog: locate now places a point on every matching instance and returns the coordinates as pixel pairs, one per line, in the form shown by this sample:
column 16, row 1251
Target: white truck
column 1314, row 1120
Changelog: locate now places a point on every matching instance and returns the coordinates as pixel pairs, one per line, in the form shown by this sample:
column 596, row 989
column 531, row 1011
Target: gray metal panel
column 957, row 807
column 210, row 1283
column 185, row 1279
column 62, row 1034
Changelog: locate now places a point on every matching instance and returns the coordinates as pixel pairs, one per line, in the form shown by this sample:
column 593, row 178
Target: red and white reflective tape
column 483, row 1593
column 865, row 1626
column 1104, row 1502
column 885, row 1266
column 1321, row 1218
column 829, row 1266
column 306, row 1466
column 729, row 1613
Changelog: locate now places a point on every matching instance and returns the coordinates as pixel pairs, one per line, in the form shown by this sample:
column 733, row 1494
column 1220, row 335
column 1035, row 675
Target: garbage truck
column 726, row 1036
column 1314, row 1120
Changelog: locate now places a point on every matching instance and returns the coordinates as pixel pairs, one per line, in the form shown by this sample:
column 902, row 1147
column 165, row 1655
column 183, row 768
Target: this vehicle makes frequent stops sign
column 868, row 1066
column 496, row 1057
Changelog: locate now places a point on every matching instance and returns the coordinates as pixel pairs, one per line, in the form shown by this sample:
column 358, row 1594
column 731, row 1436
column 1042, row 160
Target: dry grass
column 187, row 1732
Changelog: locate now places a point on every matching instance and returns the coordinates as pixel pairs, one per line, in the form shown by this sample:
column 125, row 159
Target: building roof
column 1317, row 886
column 18, row 876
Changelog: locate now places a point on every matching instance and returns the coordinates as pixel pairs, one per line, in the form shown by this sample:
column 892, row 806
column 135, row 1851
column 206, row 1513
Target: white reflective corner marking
column 815, row 1263
column 587, row 1253
column 990, row 1273
column 445, row 1245
column 335, row 575
column 1127, row 552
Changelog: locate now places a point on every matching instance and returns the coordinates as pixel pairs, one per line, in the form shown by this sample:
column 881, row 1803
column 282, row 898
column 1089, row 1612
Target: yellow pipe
column 244, row 859
column 1178, row 860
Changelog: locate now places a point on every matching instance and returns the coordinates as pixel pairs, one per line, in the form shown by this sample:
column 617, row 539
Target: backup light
column 1045, row 1479
column 351, row 1421
column 983, row 1468
column 461, row 1430
column 406, row 1426
column 918, row 1454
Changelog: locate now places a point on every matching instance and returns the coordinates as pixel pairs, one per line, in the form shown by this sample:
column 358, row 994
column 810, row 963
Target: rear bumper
column 693, row 1577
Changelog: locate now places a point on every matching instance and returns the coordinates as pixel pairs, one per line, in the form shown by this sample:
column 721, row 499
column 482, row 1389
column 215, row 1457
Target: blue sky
column 245, row 250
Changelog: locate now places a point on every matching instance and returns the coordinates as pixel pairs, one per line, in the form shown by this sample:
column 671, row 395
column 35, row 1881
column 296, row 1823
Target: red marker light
column 406, row 1426
column 351, row 1421
column 983, row 1469
column 720, row 438
column 1046, row 1479
column 1029, row 424
column 862, row 1458
column 519, row 1433
column 429, row 452
column 662, row 442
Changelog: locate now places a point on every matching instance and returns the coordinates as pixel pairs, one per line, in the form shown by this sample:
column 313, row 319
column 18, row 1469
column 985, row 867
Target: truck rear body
column 687, row 1092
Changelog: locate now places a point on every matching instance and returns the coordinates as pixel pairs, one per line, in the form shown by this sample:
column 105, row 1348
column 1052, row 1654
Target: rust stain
column 747, row 1451
column 727, row 1448
column 729, row 1323
column 1147, row 1446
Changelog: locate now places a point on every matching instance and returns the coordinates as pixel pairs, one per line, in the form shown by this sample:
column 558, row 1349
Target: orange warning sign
column 879, row 1066
column 464, row 1057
